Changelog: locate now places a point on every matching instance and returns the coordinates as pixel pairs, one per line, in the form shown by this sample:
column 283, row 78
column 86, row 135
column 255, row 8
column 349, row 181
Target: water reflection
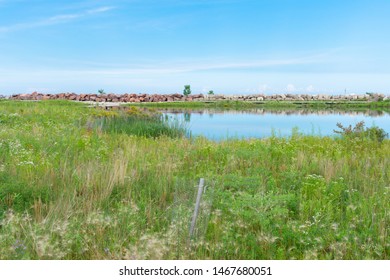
column 279, row 111
column 218, row 124
column 187, row 116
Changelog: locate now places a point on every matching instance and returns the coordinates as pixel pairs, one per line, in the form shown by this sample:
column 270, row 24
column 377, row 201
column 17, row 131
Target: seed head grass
column 83, row 183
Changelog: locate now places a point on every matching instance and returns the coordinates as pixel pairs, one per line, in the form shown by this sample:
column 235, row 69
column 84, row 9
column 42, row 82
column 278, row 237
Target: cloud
column 263, row 88
column 100, row 10
column 191, row 66
column 61, row 18
column 57, row 19
column 159, row 68
column 290, row 88
column 253, row 64
column 310, row 89
column 205, row 90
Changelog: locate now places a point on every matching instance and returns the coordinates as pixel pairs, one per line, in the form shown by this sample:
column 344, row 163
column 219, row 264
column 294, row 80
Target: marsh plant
column 83, row 183
column 139, row 123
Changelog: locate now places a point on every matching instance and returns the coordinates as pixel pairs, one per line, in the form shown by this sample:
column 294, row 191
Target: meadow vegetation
column 79, row 182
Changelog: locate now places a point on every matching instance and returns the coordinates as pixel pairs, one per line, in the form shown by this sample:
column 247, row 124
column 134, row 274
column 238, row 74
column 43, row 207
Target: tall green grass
column 78, row 183
column 146, row 126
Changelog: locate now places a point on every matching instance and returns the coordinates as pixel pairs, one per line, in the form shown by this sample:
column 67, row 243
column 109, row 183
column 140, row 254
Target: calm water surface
column 259, row 123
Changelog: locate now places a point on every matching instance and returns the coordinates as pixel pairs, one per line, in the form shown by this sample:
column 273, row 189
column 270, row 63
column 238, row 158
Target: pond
column 217, row 124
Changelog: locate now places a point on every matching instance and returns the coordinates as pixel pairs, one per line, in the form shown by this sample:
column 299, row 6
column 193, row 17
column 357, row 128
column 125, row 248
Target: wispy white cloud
column 53, row 20
column 100, row 10
column 155, row 67
column 310, row 89
column 191, row 66
column 291, row 88
column 263, row 88
column 60, row 18
column 187, row 2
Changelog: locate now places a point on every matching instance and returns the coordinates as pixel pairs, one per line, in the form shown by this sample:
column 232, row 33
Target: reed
column 83, row 183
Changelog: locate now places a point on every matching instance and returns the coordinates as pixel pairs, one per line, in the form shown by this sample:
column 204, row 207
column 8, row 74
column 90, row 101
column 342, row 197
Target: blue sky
column 229, row 46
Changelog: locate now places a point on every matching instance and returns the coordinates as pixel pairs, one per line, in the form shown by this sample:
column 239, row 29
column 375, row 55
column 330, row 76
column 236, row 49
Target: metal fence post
column 197, row 205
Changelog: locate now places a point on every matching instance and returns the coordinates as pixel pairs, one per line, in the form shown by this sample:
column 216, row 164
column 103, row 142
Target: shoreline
column 176, row 97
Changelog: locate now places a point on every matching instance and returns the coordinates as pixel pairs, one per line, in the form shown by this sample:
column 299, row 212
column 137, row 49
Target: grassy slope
column 79, row 191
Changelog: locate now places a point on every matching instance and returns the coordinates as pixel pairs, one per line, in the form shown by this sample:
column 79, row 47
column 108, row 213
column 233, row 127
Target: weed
column 85, row 183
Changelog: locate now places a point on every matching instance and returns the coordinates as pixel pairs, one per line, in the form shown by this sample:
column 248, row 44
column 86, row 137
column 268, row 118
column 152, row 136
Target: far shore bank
column 176, row 97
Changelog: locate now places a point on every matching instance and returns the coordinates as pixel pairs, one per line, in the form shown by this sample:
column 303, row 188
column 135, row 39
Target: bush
column 376, row 133
column 360, row 131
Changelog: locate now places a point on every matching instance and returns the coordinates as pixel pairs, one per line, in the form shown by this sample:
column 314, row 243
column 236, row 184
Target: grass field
column 85, row 183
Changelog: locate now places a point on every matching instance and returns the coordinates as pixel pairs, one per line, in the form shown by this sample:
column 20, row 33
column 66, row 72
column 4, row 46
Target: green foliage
column 211, row 92
column 101, row 91
column 19, row 195
column 187, row 90
column 360, row 131
column 151, row 126
column 86, row 183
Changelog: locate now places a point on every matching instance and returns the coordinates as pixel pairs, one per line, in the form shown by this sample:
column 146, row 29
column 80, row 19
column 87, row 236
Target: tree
column 101, row 91
column 187, row 90
column 211, row 92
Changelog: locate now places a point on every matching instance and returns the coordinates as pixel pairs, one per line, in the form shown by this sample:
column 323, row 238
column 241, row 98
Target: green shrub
column 360, row 131
column 376, row 133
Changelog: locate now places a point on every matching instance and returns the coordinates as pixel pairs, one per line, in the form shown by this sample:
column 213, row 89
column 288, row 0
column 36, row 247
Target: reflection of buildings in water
column 287, row 112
